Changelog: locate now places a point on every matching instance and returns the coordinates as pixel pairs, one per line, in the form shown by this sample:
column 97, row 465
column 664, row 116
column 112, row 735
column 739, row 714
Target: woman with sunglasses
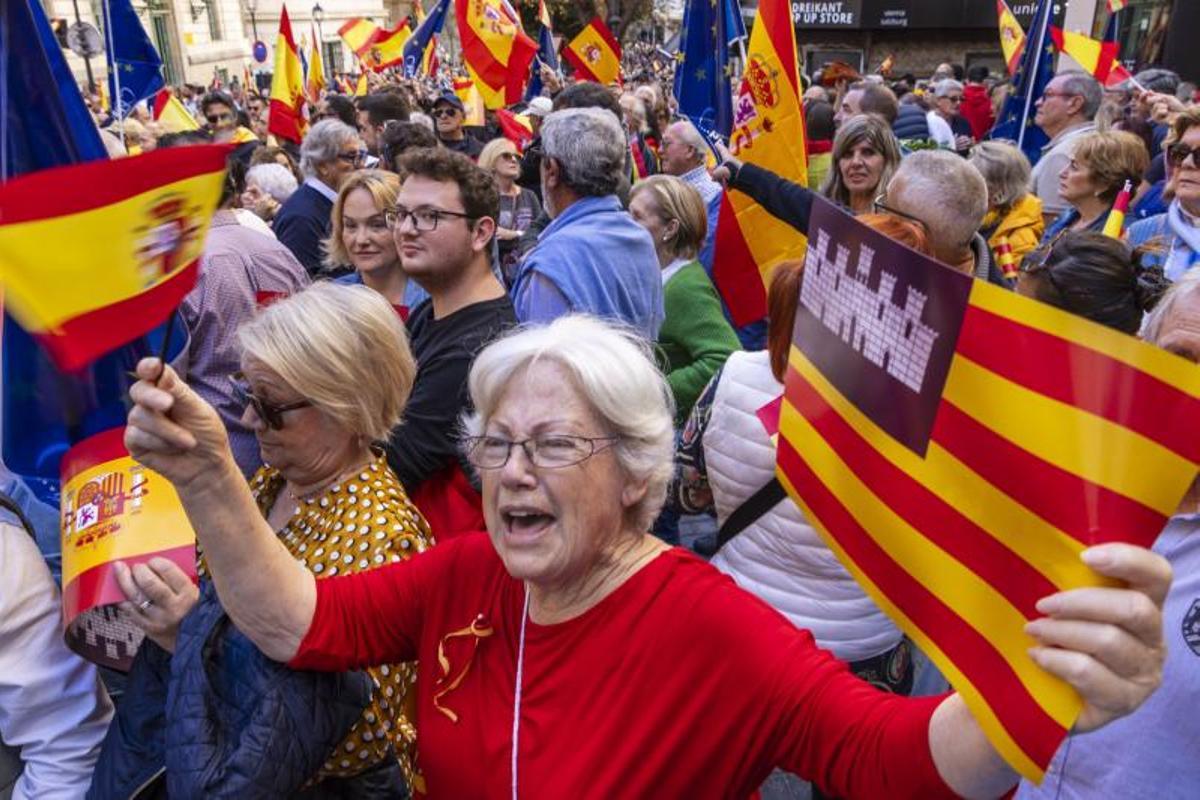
column 1174, row 236
column 518, row 206
column 362, row 239
column 325, row 375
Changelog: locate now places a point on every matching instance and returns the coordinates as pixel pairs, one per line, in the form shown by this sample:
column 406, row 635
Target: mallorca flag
column 286, row 116
column 387, row 49
column 595, row 53
column 495, row 49
column 515, row 127
column 358, row 34
column 1012, row 37
column 768, row 131
column 958, row 446
column 1094, row 56
column 314, row 84
column 128, row 237
column 172, row 114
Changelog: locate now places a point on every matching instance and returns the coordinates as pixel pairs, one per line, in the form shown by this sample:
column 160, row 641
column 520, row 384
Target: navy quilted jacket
column 222, row 719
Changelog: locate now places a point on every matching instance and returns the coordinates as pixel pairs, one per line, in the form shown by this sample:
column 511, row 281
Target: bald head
column 960, row 200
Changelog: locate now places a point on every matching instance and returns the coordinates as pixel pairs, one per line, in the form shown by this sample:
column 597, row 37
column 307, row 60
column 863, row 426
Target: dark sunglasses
column 270, row 413
column 445, row 112
column 1179, row 152
column 216, row 119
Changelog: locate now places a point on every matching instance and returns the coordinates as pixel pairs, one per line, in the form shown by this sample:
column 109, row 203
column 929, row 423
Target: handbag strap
column 754, row 507
column 8, row 504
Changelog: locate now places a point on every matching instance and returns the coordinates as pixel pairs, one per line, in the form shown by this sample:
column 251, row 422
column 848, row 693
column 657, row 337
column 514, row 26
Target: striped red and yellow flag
column 358, row 34
column 113, row 509
column 495, row 49
column 314, row 83
column 127, row 241
column 474, row 112
column 768, row 131
column 1094, row 56
column 1012, row 37
column 595, row 53
column 286, row 115
column 387, row 48
column 958, row 446
column 517, row 128
column 171, row 114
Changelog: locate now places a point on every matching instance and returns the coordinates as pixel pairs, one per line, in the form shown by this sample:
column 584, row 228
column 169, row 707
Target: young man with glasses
column 449, row 115
column 443, row 224
column 1065, row 111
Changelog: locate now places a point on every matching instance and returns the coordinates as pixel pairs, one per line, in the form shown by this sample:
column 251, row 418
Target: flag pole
column 110, row 51
column 1037, row 62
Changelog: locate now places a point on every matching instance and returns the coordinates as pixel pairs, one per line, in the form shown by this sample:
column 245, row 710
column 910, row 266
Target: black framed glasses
column 1179, row 152
column 354, row 157
column 217, row 119
column 550, row 451
column 445, row 111
column 270, row 413
column 881, row 208
column 423, row 219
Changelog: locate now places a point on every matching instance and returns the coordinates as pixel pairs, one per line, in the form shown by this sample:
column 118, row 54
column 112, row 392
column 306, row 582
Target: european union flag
column 735, row 23
column 702, row 75
column 418, row 43
column 1035, row 71
column 546, row 54
column 133, row 64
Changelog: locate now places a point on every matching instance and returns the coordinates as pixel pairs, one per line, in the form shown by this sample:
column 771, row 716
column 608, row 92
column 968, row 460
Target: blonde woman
column 361, row 238
column 518, row 206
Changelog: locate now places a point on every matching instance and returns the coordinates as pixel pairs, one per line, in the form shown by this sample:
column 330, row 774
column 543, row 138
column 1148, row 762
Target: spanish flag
column 495, row 49
column 358, row 34
column 387, row 48
column 171, row 114
column 1094, row 56
column 286, row 119
column 595, row 53
column 958, row 446
column 1012, row 37
column 515, row 127
column 474, row 112
column 315, row 82
column 1114, row 226
column 768, row 131
column 127, row 238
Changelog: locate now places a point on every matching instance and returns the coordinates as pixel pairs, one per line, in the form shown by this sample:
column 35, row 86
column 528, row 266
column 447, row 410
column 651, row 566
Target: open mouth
column 526, row 523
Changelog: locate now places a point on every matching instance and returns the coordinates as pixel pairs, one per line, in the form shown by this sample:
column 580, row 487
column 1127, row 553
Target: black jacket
column 911, row 124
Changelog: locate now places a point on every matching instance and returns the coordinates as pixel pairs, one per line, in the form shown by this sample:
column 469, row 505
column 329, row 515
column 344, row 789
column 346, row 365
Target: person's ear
column 481, row 235
column 553, row 174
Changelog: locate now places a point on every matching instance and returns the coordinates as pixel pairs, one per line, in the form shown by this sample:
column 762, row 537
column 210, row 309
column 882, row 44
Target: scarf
column 1185, row 245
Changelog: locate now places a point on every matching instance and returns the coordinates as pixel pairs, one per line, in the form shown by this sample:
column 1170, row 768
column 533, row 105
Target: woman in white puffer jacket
column 726, row 454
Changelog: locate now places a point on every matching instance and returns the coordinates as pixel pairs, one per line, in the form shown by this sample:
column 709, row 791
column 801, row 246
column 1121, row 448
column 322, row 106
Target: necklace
column 304, row 497
column 516, row 725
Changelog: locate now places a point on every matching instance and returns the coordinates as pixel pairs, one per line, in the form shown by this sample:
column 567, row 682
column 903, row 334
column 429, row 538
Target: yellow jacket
column 1022, row 226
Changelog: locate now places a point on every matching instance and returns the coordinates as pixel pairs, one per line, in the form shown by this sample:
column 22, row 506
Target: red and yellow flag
column 1097, row 57
column 315, row 84
column 1114, row 226
column 958, row 446
column 387, row 48
column 474, row 112
column 286, row 115
column 171, row 114
column 1012, row 37
column 515, row 127
column 127, row 241
column 358, row 34
column 113, row 509
column 595, row 53
column 768, row 131
column 495, row 49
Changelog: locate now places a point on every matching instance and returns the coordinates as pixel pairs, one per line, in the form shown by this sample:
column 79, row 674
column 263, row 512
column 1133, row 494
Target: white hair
column 589, row 145
column 615, row 371
column 322, row 144
column 1154, row 326
column 692, row 137
column 958, row 188
column 946, row 86
column 274, row 179
column 421, row 118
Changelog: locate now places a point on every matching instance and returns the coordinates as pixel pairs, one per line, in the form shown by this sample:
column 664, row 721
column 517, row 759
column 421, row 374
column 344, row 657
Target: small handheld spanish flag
column 127, row 237
column 1116, row 218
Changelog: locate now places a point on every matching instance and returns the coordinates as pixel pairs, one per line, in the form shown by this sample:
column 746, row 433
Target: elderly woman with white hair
column 325, row 376
column 329, row 153
column 1013, row 225
column 568, row 653
column 268, row 186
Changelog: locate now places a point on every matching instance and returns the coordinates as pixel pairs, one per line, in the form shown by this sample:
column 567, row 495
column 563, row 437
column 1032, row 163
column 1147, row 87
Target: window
column 214, row 20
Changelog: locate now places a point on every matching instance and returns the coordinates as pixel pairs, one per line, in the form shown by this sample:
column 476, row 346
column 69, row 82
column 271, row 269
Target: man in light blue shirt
column 592, row 258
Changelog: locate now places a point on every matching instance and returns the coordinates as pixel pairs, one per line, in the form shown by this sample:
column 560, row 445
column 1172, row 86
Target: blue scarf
column 1185, row 245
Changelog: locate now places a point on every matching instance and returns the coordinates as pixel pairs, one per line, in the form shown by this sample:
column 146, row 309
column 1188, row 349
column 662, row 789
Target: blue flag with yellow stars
column 1035, row 71
column 133, row 64
column 702, row 75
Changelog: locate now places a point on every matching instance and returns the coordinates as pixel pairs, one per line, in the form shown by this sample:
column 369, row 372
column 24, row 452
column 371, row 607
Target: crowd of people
column 446, row 396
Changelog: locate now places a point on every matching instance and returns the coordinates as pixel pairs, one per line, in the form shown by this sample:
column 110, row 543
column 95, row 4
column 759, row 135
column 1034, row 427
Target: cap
column 539, row 107
column 451, row 98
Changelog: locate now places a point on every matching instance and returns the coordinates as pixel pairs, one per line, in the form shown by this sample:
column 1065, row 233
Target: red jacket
column 977, row 109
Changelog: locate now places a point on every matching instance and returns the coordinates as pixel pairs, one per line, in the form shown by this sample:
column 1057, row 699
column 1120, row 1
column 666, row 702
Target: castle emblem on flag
column 888, row 335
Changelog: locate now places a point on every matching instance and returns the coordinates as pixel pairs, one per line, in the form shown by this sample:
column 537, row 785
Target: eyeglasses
column 270, row 413
column 445, row 112
column 1179, row 153
column 217, row 119
column 880, row 208
column 354, row 157
column 509, row 156
column 552, row 451
column 423, row 219
column 953, row 98
column 1058, row 94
